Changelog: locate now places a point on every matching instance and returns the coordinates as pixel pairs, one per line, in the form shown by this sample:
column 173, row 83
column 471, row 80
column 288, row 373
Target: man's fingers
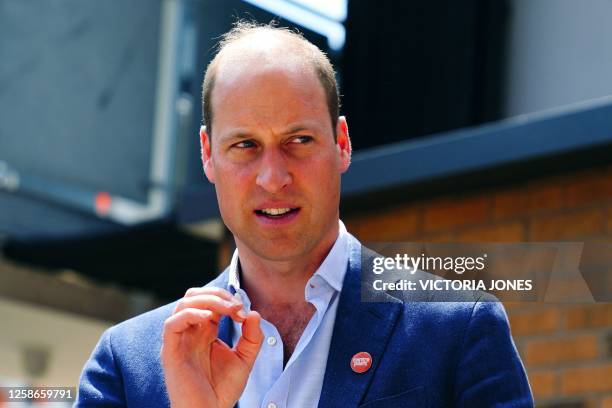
column 232, row 307
column 209, row 290
column 252, row 337
column 176, row 324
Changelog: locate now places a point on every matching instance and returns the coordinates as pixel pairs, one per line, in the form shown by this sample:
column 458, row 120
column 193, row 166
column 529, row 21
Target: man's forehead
column 266, row 41
column 263, row 51
column 279, row 96
column 267, row 77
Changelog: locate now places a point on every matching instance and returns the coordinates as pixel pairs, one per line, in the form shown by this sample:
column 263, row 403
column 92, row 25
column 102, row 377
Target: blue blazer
column 425, row 352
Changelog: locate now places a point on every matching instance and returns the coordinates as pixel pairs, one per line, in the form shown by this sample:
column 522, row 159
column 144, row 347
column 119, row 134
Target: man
column 284, row 326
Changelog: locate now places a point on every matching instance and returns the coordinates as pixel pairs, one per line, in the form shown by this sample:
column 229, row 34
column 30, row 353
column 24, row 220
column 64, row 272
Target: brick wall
column 567, row 349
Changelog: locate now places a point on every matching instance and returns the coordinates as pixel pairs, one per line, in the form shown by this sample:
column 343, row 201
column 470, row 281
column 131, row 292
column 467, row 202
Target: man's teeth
column 275, row 211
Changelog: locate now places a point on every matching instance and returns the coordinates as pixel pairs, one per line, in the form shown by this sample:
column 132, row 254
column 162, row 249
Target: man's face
column 274, row 161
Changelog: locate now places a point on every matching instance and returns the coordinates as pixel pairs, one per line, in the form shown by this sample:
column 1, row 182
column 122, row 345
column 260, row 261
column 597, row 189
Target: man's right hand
column 200, row 370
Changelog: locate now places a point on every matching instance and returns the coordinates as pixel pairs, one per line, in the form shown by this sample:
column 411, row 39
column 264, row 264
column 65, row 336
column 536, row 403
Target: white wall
column 559, row 52
column 69, row 338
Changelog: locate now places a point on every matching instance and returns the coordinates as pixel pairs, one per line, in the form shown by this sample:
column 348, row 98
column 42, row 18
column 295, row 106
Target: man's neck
column 271, row 283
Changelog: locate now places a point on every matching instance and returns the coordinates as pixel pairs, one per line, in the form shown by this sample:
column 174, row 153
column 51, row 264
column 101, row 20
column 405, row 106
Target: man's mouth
column 275, row 213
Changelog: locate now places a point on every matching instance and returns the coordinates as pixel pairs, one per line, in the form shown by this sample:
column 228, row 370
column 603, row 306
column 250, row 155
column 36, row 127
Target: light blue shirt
column 300, row 383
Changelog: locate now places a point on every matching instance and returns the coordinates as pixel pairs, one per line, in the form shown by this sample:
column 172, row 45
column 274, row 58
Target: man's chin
column 278, row 249
column 282, row 253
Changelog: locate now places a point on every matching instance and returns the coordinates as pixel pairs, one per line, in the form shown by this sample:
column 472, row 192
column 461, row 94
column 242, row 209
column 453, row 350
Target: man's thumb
column 252, row 337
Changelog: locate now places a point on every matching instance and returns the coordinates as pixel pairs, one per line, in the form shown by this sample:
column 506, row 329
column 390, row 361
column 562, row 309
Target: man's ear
column 343, row 141
column 205, row 152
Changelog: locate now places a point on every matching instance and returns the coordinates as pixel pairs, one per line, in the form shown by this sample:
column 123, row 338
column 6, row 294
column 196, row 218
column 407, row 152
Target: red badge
column 361, row 362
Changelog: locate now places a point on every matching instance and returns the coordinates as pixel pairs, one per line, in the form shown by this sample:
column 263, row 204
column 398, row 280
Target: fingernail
column 241, row 314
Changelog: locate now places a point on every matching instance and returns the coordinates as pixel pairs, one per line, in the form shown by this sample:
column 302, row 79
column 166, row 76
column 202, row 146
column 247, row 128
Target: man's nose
column 273, row 174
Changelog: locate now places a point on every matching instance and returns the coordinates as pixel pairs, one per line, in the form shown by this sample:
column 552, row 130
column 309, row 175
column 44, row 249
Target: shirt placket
column 276, row 397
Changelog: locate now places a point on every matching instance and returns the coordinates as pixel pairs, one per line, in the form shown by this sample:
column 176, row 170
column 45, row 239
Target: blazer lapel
column 226, row 330
column 359, row 326
column 225, row 324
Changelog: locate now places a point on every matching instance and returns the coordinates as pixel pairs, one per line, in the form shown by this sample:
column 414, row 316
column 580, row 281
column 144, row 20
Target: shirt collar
column 331, row 270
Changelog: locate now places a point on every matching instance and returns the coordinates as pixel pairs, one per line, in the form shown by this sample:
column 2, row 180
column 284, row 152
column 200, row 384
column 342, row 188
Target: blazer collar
column 359, row 326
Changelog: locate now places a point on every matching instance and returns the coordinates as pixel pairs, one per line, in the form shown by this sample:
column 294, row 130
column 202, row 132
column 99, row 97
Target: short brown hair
column 313, row 55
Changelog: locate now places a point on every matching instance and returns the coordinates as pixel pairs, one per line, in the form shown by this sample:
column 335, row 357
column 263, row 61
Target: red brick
column 592, row 402
column 510, row 203
column 451, row 213
column 505, row 232
column 606, row 402
column 587, row 379
column 539, row 196
column 589, row 187
column 549, row 351
column 512, row 307
column 568, row 225
column 543, row 383
column 441, row 237
column 568, row 290
column 545, row 196
column 581, row 317
column 392, row 225
column 541, row 320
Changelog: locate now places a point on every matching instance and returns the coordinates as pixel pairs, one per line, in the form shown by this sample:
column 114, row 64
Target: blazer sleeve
column 101, row 384
column 490, row 372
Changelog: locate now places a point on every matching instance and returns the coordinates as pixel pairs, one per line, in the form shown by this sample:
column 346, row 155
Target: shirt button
column 271, row 341
column 271, row 405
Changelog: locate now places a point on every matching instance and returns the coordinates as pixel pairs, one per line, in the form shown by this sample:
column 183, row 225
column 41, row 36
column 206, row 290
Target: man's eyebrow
column 237, row 134
column 299, row 127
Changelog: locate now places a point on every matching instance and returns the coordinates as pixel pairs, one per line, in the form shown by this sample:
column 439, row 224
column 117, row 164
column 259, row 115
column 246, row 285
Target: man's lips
column 276, row 212
column 275, row 207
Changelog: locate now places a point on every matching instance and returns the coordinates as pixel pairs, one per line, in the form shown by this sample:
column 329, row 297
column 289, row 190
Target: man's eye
column 245, row 144
column 302, row 139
